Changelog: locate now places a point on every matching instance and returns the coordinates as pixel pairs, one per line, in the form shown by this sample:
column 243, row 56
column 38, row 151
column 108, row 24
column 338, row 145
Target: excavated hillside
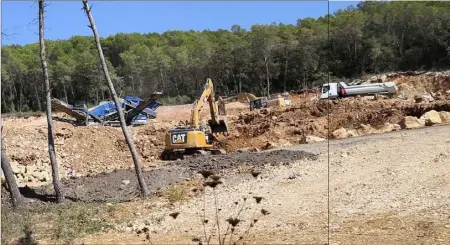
column 92, row 150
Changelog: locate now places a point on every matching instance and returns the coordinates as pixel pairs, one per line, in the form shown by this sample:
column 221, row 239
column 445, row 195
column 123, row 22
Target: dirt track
column 380, row 193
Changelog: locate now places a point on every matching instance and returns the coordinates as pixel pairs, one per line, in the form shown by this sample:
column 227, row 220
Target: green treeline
column 370, row 38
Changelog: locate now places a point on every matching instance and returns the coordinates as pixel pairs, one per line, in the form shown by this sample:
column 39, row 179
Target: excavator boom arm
column 215, row 123
column 207, row 95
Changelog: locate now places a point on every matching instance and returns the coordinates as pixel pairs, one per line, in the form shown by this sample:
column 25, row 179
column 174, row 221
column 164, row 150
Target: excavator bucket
column 222, row 127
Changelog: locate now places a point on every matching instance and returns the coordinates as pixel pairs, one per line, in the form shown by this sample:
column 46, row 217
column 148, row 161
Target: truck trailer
column 340, row 90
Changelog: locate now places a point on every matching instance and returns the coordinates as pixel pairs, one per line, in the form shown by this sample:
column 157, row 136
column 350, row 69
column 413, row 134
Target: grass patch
column 58, row 223
column 175, row 194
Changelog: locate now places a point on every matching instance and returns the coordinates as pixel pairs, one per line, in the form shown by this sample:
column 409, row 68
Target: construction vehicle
column 254, row 101
column 136, row 111
column 241, row 97
column 340, row 90
column 266, row 103
column 195, row 137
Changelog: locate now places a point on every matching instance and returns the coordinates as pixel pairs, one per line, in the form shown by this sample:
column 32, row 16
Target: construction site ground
column 387, row 185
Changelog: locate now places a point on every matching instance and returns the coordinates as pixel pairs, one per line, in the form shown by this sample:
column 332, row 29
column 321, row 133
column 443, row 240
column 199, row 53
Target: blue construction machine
column 136, row 111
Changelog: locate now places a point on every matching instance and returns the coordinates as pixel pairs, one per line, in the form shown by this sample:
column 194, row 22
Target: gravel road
column 389, row 188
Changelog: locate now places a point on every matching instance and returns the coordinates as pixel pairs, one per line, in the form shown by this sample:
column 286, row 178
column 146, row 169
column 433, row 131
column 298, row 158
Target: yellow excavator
column 196, row 137
column 241, row 97
column 254, row 101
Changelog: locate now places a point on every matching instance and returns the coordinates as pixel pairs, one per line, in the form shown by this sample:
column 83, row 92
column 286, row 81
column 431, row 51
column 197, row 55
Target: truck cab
column 329, row 91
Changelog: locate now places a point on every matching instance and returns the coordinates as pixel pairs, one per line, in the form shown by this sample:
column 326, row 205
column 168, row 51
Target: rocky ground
column 380, row 193
column 385, row 187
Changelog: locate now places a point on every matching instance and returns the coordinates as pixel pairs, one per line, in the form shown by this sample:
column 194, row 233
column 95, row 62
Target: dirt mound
column 237, row 159
column 121, row 185
column 284, row 126
column 79, row 150
column 413, row 83
column 117, row 186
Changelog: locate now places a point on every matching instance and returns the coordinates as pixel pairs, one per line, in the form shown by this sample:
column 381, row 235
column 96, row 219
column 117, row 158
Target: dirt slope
column 91, row 150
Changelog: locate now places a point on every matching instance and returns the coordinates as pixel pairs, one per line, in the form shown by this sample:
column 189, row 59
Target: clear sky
column 65, row 18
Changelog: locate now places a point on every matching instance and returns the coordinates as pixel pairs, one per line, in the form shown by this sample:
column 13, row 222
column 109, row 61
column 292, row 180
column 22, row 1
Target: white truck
column 340, row 90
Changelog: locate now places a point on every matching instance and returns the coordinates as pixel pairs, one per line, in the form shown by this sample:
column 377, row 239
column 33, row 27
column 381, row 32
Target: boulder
column 431, row 117
column 340, row 133
column 41, row 176
column 445, row 116
column 17, row 168
column 427, row 97
column 311, row 139
column 418, row 99
column 365, row 129
column 30, row 169
column 411, row 122
column 269, row 145
column 245, row 149
column 352, row 133
column 389, row 127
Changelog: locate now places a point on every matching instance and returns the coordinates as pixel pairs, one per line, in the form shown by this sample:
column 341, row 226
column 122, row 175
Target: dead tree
column 51, row 141
column 127, row 135
column 16, row 197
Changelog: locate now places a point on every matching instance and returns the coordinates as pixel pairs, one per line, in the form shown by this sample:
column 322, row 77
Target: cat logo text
column 179, row 138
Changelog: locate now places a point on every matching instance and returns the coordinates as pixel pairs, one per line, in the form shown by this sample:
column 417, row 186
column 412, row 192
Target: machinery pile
column 136, row 111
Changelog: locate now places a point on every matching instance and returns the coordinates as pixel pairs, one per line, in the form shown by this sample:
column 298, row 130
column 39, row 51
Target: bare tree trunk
column 16, row 197
column 96, row 96
column 267, row 75
column 65, row 93
column 285, row 73
column 51, row 142
column 38, row 98
column 128, row 138
column 162, row 80
column 20, row 97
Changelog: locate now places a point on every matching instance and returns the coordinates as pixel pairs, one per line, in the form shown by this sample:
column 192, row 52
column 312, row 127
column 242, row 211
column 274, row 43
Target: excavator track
column 171, row 155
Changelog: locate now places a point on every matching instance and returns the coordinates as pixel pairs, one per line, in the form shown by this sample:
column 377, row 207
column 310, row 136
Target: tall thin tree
column 127, row 135
column 16, row 197
column 51, row 142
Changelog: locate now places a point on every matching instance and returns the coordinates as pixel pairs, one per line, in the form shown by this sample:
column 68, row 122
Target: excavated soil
column 287, row 126
column 122, row 186
column 239, row 159
column 93, row 150
column 117, row 186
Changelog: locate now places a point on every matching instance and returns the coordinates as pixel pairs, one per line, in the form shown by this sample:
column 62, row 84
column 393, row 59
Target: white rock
column 41, row 176
column 312, row 139
column 340, row 133
column 411, row 122
column 445, row 116
column 431, row 117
